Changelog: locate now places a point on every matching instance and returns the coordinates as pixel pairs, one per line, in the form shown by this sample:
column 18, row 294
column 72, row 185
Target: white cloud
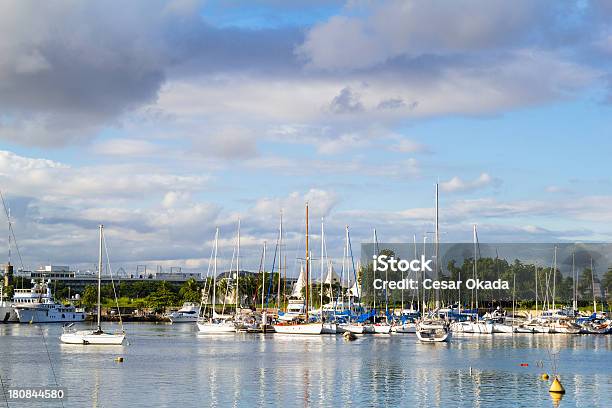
column 456, row 184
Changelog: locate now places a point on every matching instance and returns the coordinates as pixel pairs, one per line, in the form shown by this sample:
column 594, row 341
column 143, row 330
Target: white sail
column 299, row 285
column 332, row 277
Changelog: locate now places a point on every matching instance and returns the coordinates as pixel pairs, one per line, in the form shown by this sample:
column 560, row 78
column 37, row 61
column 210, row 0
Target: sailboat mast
column 374, row 269
column 554, row 278
column 99, row 274
column 280, row 260
column 574, row 302
column 475, row 270
column 322, row 263
column 536, row 290
column 238, row 272
column 436, row 249
column 307, row 266
column 214, row 300
column 263, row 275
column 593, row 284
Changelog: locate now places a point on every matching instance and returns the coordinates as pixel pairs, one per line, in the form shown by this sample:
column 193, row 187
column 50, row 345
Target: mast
column 575, row 302
column 374, row 269
column 416, row 274
column 475, row 270
column 99, row 274
column 263, row 275
column 436, row 250
column 280, row 260
column 238, row 272
column 348, row 274
column 322, row 264
column 342, row 278
column 554, row 277
column 593, row 284
column 423, row 274
column 536, row 289
column 214, row 300
column 307, row 266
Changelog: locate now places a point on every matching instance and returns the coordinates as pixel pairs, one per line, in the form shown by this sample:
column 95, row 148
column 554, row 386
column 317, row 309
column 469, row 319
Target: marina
column 353, row 203
column 243, row 369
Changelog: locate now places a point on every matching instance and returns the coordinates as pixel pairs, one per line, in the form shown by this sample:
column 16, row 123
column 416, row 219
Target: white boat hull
column 329, row 328
column 32, row 315
column 427, row 337
column 216, row 328
column 382, row 328
column 306, row 328
column 89, row 337
column 405, row 328
column 472, row 327
column 183, row 319
column 502, row 328
column 351, row 328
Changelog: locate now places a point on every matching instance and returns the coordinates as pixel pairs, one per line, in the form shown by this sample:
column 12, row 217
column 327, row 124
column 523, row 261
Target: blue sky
column 171, row 118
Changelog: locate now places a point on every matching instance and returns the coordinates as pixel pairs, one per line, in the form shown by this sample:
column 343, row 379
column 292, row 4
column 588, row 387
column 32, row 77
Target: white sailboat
column 215, row 325
column 97, row 336
column 302, row 326
column 435, row 329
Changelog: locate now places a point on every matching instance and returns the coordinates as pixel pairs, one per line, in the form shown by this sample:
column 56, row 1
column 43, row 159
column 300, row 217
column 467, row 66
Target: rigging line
column 110, row 269
column 353, row 262
column 272, row 274
column 6, row 212
column 206, row 286
column 261, row 265
column 42, row 333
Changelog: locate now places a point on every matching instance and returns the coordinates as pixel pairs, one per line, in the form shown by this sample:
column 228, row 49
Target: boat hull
column 351, row 328
column 329, row 328
column 427, row 337
column 502, row 328
column 405, row 328
column 216, row 328
column 90, row 338
column 183, row 319
column 306, row 328
column 382, row 329
column 32, row 315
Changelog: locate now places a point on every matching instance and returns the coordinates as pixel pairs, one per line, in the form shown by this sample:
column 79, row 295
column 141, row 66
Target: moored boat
column 433, row 331
column 97, row 336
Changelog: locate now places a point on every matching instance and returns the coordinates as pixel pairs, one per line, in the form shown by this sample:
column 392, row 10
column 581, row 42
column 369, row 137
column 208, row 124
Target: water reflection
column 173, row 365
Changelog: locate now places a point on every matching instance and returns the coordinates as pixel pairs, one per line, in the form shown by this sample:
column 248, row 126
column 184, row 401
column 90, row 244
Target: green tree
column 90, row 296
column 190, row 291
column 162, row 298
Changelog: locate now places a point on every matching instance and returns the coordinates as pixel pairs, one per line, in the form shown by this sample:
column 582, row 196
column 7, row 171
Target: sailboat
column 215, row 325
column 302, row 325
column 432, row 330
column 329, row 327
column 381, row 327
column 97, row 336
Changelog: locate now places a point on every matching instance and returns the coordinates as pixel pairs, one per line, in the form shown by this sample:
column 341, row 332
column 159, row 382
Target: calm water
column 171, row 365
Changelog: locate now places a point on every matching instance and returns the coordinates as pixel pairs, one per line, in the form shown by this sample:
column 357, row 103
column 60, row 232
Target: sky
column 166, row 119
